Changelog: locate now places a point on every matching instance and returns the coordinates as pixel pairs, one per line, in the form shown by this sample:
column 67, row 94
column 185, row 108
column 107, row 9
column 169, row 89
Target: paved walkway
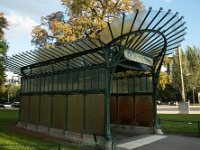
column 159, row 142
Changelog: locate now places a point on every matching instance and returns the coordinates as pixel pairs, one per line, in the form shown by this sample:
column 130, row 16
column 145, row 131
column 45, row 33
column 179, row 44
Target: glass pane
column 119, row 84
column 50, row 82
column 38, row 84
column 125, row 85
column 137, row 84
column 42, row 83
column 25, row 85
column 88, row 79
column 46, row 83
column 81, row 80
column 149, row 84
column 22, row 85
column 59, row 82
column 75, row 80
column 130, row 85
column 70, row 75
column 114, row 86
column 34, row 84
column 55, row 82
column 101, row 78
column 28, row 86
column 143, row 84
column 64, row 82
column 95, row 79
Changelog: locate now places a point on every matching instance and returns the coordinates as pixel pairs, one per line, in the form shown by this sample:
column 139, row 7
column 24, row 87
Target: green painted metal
column 39, row 118
column 52, row 112
column 29, row 107
column 149, row 39
column 66, row 113
column 84, row 114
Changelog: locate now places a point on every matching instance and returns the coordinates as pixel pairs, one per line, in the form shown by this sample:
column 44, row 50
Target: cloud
column 19, row 25
column 22, row 16
column 33, row 8
column 18, row 34
column 168, row 1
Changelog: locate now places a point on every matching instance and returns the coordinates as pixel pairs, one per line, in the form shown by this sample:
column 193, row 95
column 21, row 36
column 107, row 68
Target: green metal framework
column 147, row 36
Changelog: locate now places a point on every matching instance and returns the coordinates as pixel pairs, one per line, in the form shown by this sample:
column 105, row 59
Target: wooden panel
column 45, row 110
column 143, row 110
column 75, row 113
column 113, row 110
column 95, row 113
column 59, row 112
column 24, row 109
column 125, row 110
column 34, row 109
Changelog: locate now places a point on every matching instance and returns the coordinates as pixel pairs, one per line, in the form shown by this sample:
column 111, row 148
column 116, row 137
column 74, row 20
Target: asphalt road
column 172, row 142
column 168, row 142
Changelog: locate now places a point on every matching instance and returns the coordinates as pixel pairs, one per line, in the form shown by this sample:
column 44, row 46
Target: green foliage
column 12, row 89
column 3, row 46
column 3, row 24
column 82, row 18
column 193, row 67
column 3, row 49
column 191, row 70
column 176, row 70
column 3, row 93
column 169, row 93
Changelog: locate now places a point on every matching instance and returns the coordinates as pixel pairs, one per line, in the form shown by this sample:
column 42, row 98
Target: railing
column 180, row 127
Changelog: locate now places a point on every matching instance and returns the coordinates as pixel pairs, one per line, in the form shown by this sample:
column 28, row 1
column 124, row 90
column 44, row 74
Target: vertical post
column 84, row 113
column 193, row 97
column 159, row 121
column 66, row 112
column 59, row 147
column 183, row 106
column 21, row 91
column 181, row 74
column 107, row 103
column 154, row 98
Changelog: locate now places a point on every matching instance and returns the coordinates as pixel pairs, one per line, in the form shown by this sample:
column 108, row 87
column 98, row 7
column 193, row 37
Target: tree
column 14, row 91
column 165, row 76
column 3, row 24
column 193, row 69
column 10, row 90
column 165, row 88
column 176, row 78
column 82, row 18
column 3, row 46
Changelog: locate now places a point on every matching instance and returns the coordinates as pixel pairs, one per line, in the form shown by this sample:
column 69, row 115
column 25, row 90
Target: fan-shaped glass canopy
column 138, row 37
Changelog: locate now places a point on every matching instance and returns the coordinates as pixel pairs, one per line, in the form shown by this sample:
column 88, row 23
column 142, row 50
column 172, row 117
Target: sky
column 24, row 14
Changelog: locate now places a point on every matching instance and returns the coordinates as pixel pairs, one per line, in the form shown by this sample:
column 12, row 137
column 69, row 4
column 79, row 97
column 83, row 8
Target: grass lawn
column 9, row 137
column 185, row 124
column 13, row 138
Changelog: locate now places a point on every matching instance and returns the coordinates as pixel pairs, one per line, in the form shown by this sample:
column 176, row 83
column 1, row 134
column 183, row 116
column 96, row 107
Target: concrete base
column 158, row 131
column 131, row 129
column 31, row 127
column 43, row 129
column 21, row 125
column 184, row 108
column 59, row 133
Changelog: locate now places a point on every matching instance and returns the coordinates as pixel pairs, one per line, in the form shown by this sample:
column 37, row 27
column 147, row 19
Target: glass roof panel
column 144, row 32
